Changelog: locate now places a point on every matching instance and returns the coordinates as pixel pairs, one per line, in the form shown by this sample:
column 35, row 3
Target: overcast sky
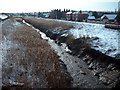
column 47, row 5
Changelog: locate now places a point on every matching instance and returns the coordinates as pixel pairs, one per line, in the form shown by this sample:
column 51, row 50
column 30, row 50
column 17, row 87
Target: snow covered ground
column 107, row 39
column 103, row 39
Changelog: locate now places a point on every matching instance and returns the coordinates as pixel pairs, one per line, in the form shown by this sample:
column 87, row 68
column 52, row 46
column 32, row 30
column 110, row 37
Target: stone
column 88, row 62
column 95, row 73
column 90, row 66
column 110, row 66
column 81, row 72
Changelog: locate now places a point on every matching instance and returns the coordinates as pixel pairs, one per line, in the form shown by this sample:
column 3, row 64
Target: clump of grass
column 70, row 39
column 18, row 19
column 47, row 24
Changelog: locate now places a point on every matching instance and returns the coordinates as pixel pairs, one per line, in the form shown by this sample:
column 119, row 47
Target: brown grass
column 43, row 24
column 47, row 24
column 18, row 19
column 38, row 60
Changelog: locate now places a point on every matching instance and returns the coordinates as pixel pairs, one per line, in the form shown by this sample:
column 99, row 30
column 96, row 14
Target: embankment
column 28, row 60
column 105, row 68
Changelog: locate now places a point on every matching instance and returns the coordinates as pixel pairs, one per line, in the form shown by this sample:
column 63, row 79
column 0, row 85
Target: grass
column 44, row 24
column 33, row 62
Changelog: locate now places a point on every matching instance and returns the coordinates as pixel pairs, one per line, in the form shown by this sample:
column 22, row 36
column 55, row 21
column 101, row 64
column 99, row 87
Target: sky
column 11, row 6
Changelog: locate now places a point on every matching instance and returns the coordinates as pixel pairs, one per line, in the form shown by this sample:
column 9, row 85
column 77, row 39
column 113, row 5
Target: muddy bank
column 105, row 68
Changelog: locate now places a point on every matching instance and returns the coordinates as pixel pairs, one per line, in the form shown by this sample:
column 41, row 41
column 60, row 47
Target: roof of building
column 84, row 12
column 109, row 16
column 46, row 14
column 2, row 16
column 91, row 17
column 76, row 12
column 69, row 13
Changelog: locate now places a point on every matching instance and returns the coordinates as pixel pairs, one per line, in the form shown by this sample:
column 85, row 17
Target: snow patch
column 107, row 38
column 3, row 16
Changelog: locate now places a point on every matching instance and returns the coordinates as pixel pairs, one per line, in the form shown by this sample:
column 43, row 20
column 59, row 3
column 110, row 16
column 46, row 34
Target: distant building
column 77, row 16
column 119, row 6
column 69, row 16
column 46, row 15
column 90, row 13
column 91, row 18
column 83, row 16
column 109, row 17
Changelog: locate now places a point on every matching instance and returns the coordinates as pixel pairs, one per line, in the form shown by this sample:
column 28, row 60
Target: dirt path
column 82, row 76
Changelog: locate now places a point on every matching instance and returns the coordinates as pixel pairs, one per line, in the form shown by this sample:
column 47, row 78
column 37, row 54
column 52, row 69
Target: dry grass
column 18, row 19
column 43, row 24
column 47, row 24
column 35, row 56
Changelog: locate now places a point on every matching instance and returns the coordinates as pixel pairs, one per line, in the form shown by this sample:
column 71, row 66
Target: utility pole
column 119, row 6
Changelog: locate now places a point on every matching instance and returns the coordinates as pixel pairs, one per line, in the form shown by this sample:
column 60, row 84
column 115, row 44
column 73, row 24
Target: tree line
column 59, row 14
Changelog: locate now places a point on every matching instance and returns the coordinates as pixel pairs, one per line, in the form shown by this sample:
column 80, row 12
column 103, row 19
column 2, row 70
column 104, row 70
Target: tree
column 39, row 14
column 59, row 14
column 95, row 14
column 56, row 14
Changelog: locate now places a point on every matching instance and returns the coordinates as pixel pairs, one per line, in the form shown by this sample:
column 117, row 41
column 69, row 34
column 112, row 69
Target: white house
column 75, row 16
column 69, row 16
column 109, row 17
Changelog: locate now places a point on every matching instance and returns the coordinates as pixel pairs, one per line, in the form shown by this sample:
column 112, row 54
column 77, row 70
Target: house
column 83, row 16
column 46, row 15
column 77, row 16
column 90, row 13
column 91, row 18
column 109, row 17
column 69, row 16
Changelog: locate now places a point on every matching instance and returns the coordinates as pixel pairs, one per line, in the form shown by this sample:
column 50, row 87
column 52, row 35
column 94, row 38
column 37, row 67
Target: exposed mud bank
column 105, row 68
